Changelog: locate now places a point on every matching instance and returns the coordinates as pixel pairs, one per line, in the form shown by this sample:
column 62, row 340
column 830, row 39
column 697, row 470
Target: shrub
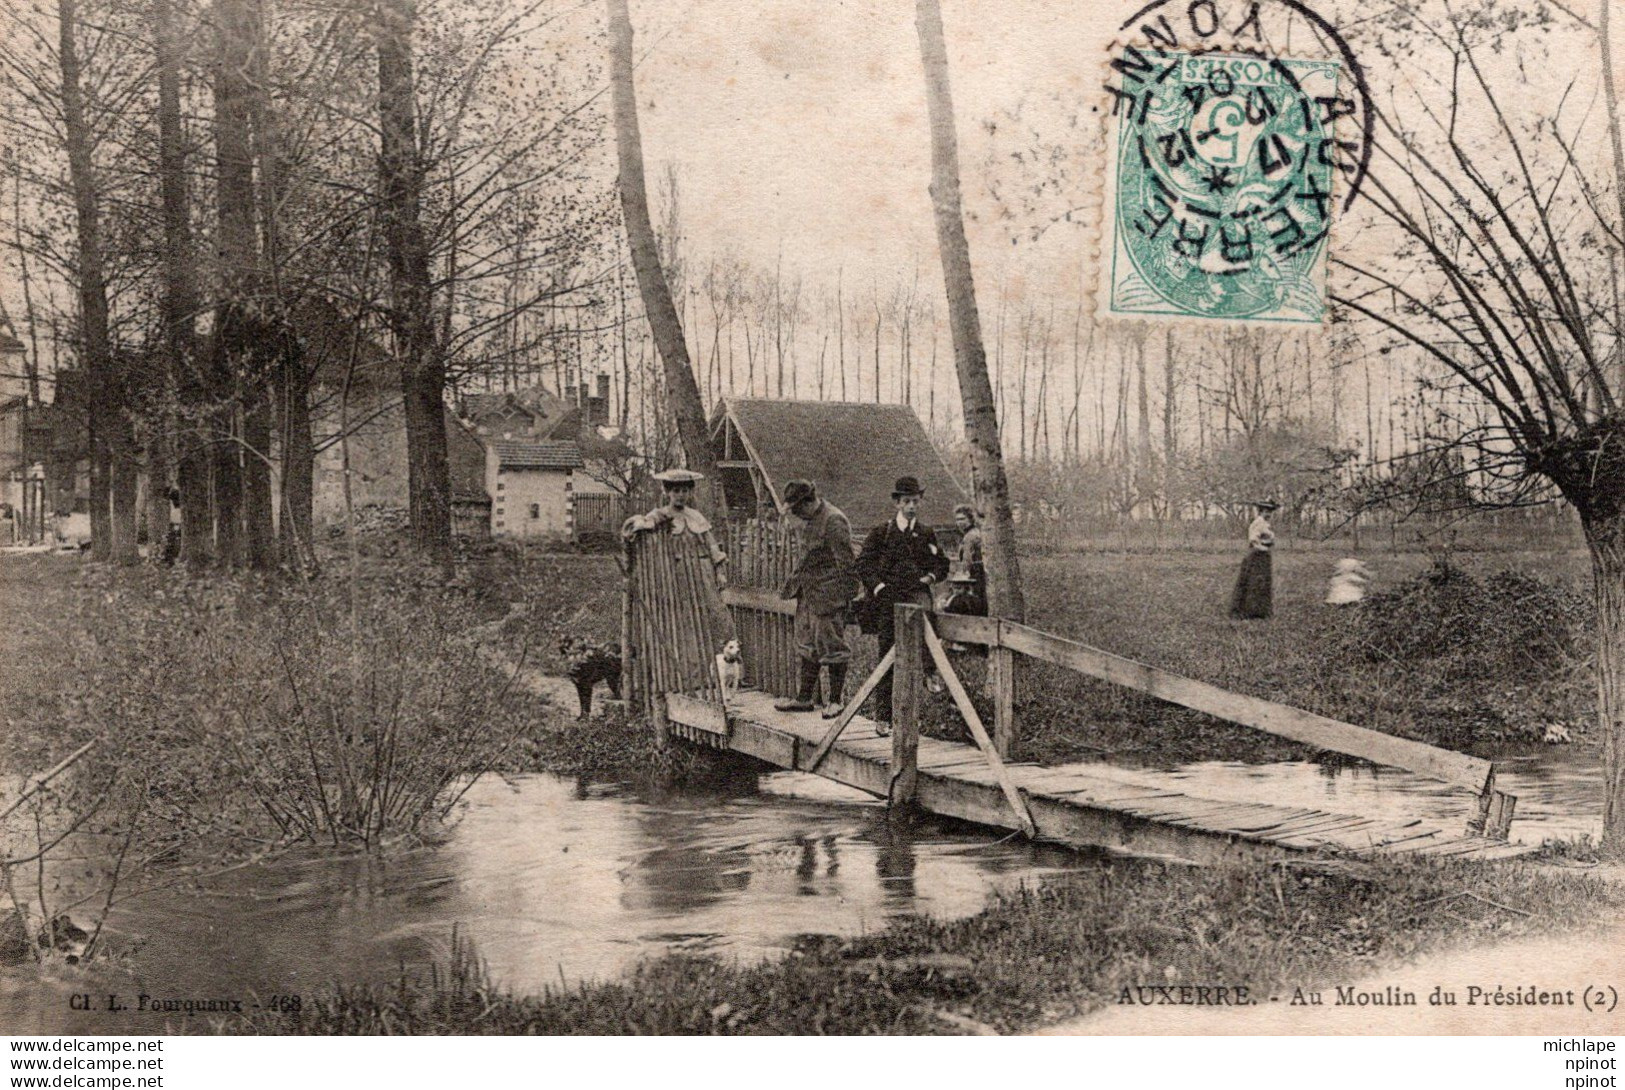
column 1510, row 625
column 1482, row 660
column 274, row 711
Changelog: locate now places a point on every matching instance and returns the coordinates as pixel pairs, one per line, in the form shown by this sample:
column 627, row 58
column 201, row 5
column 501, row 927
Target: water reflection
column 1559, row 791
column 559, row 880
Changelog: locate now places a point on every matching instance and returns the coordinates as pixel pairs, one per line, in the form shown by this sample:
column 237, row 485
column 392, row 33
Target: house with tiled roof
column 853, row 452
column 532, row 486
column 549, row 458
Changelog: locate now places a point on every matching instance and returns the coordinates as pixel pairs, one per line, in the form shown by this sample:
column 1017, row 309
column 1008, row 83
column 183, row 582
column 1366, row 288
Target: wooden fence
column 761, row 556
column 600, row 513
column 677, row 624
column 1005, row 639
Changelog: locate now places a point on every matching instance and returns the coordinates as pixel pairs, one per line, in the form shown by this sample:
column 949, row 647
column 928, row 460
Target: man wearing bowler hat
column 900, row 563
column 824, row 582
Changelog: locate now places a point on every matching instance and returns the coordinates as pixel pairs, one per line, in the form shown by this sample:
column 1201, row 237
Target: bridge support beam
column 908, row 696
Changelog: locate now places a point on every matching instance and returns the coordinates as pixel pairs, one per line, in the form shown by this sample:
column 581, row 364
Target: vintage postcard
column 773, row 517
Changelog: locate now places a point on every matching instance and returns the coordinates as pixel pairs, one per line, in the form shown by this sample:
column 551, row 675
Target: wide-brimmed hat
column 679, row 476
column 907, row 486
column 797, row 491
column 1266, row 505
column 960, row 575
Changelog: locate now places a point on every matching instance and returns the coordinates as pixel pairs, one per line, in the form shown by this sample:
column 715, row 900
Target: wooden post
column 1494, row 814
column 659, row 720
column 629, row 673
column 1001, row 687
column 908, row 695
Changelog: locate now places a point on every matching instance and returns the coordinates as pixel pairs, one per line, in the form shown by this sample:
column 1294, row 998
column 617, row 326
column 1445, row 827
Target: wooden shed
column 853, row 452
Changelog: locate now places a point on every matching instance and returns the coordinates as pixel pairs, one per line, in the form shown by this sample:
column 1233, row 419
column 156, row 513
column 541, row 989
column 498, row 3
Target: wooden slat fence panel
column 678, row 617
column 761, row 556
column 596, row 513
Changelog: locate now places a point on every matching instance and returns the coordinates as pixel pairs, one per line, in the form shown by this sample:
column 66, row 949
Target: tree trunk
column 423, row 370
column 258, row 525
column 262, row 411
column 682, row 392
column 298, row 456
column 101, row 491
column 1606, row 539
column 103, row 402
column 970, row 357
column 180, row 301
column 158, row 477
column 31, row 357
column 236, row 385
column 123, row 489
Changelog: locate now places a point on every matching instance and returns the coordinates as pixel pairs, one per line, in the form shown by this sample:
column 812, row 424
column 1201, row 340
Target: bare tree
column 112, row 496
column 1516, row 313
column 422, row 367
column 682, row 392
column 970, row 357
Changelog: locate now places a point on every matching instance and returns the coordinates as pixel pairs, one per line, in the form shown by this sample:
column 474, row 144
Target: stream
column 560, row 881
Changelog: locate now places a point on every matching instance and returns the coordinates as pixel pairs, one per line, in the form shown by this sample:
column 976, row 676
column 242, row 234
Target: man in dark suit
column 900, row 563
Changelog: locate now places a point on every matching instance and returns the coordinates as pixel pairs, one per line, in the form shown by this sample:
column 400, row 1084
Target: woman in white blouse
column 1253, row 597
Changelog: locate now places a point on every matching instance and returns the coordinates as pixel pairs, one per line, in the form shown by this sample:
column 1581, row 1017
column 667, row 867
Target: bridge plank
column 1099, row 804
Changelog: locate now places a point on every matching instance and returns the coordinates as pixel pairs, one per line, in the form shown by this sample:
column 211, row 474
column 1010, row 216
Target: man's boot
column 837, row 686
column 806, row 692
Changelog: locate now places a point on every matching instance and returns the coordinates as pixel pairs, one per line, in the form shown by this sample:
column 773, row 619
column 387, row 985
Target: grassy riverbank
column 1035, row 956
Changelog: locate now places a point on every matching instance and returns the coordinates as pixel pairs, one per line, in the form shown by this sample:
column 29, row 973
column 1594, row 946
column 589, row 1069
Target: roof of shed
column 561, row 454
column 853, row 451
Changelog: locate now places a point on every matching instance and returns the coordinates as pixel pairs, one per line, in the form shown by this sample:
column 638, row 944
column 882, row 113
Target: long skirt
column 1253, row 597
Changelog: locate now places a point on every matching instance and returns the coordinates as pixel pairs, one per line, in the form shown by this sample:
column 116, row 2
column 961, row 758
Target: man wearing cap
column 900, row 563
column 824, row 581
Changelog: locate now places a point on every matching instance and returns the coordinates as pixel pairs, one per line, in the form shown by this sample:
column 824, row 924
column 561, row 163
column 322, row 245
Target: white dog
column 730, row 671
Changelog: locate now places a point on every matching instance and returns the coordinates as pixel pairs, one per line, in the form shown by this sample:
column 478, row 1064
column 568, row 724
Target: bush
column 270, row 711
column 1484, row 661
column 1508, row 625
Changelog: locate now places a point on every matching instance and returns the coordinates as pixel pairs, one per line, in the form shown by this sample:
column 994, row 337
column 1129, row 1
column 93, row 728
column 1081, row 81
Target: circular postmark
column 1229, row 153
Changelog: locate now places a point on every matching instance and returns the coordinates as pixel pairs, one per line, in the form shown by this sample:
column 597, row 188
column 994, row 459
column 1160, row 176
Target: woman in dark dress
column 969, row 572
column 1253, row 599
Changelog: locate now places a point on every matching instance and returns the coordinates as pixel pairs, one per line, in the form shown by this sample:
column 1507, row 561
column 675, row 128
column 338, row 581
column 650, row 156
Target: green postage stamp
column 1218, row 199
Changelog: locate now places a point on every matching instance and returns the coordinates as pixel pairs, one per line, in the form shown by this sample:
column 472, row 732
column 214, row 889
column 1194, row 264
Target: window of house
column 500, row 486
column 535, row 510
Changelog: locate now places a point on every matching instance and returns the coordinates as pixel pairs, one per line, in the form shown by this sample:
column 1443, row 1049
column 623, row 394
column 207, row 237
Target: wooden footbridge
column 676, row 620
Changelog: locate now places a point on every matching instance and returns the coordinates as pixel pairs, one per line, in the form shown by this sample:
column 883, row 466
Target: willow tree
column 1505, row 277
column 682, row 389
column 965, row 324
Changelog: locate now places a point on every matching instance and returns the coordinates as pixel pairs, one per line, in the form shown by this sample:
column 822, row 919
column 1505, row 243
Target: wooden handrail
column 1470, row 773
column 763, row 601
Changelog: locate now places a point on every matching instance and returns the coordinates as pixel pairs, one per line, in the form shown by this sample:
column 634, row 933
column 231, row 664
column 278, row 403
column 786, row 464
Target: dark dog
column 591, row 663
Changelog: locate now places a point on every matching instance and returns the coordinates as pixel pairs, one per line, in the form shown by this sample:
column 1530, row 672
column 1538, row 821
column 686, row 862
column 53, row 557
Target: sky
column 802, row 127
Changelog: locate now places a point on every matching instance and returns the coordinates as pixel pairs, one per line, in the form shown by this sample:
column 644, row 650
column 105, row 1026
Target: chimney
column 603, row 387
